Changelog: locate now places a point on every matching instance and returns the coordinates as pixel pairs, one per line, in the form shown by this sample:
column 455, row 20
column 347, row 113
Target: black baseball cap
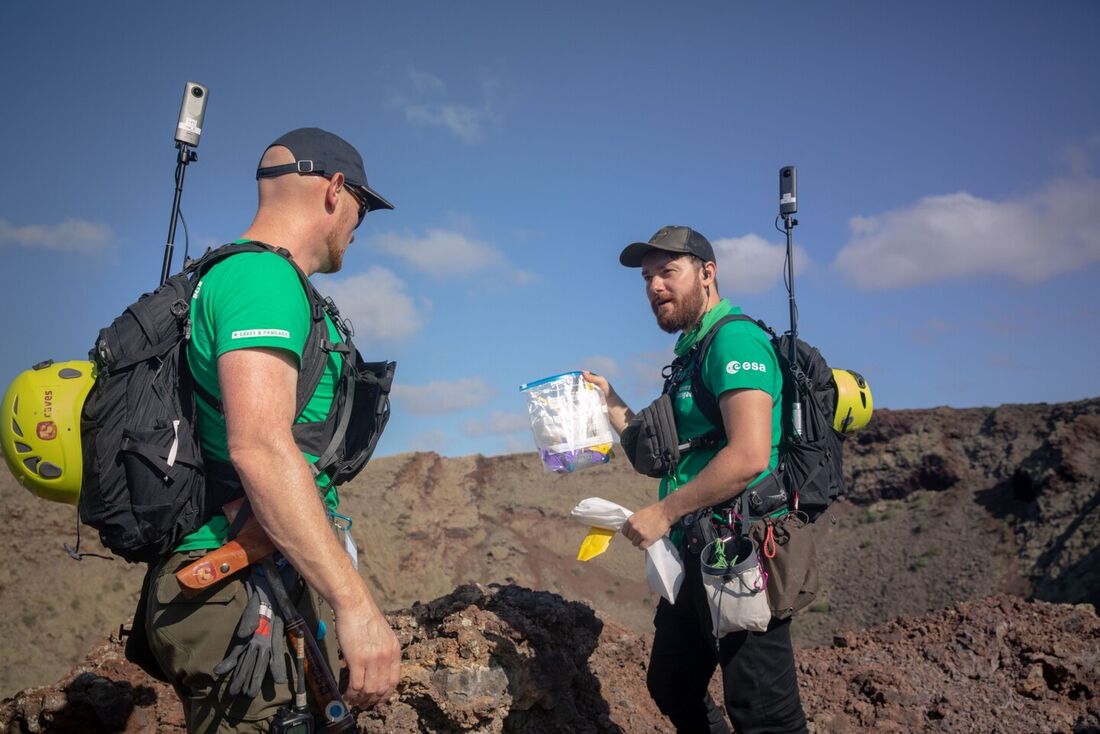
column 681, row 240
column 318, row 152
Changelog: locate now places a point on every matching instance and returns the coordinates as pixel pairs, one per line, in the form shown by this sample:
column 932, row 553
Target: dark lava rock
column 999, row 664
column 509, row 659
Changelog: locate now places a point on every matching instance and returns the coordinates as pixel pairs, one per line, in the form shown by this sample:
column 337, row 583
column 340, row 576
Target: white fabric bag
column 735, row 586
column 664, row 571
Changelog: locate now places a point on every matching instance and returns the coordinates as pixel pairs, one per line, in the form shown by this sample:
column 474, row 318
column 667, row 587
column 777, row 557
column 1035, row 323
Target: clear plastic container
column 569, row 421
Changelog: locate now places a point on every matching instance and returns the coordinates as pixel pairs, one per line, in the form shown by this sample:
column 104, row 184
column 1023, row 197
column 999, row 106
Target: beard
column 683, row 315
column 335, row 251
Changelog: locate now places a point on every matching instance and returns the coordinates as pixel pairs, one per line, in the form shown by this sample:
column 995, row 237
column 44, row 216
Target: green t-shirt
column 740, row 357
column 250, row 300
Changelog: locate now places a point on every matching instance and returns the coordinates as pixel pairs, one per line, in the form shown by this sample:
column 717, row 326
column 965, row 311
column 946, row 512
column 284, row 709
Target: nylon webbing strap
column 303, row 167
column 243, row 514
column 345, row 416
column 208, row 397
column 312, row 377
column 708, row 404
column 704, row 398
column 156, row 350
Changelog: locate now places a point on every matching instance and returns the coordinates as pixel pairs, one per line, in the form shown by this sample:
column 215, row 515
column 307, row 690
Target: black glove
column 259, row 644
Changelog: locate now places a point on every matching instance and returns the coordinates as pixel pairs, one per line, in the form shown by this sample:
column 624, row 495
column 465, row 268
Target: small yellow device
column 595, row 543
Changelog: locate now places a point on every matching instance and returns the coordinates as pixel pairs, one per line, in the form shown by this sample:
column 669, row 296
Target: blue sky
column 948, row 157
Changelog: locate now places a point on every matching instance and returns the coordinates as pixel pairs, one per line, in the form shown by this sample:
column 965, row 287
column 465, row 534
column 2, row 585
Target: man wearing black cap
column 250, row 317
column 741, row 370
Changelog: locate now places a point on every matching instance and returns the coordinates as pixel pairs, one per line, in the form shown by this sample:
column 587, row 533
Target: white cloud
column 932, row 331
column 440, row 252
column 1081, row 156
column 601, row 365
column 521, row 277
column 498, row 424
column 751, row 264
column 518, row 445
column 425, row 82
column 377, row 304
column 428, row 105
column 644, row 372
column 439, row 397
column 434, row 440
column 464, row 122
column 71, row 235
column 444, row 253
column 1030, row 238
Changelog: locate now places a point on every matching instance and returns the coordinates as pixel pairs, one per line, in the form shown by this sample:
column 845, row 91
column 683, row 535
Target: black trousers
column 760, row 686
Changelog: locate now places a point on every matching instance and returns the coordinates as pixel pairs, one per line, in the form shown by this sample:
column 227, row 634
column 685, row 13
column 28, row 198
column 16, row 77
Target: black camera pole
column 186, row 155
column 188, row 130
column 788, row 205
column 789, row 223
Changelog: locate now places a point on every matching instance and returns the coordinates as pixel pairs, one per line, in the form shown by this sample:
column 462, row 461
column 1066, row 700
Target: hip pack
column 146, row 484
column 650, row 439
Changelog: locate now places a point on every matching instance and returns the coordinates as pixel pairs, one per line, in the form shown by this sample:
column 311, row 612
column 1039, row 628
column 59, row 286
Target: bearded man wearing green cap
column 759, row 680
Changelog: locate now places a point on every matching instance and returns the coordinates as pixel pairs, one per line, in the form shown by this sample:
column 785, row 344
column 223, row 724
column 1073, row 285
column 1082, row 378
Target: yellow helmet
column 40, row 428
column 853, row 401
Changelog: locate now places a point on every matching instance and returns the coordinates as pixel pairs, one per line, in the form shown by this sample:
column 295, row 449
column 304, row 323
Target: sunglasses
column 364, row 207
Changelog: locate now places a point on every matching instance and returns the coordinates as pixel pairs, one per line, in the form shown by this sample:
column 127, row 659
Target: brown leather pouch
column 790, row 558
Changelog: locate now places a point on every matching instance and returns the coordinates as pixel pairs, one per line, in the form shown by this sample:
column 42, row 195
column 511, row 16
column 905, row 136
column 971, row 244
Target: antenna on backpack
column 188, row 130
column 788, row 205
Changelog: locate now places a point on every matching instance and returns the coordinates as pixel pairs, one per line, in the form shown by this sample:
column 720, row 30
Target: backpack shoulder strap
column 708, row 403
column 313, row 361
column 317, row 346
column 705, row 400
column 215, row 255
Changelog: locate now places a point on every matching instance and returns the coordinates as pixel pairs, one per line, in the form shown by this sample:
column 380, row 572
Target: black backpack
column 146, row 484
column 810, row 474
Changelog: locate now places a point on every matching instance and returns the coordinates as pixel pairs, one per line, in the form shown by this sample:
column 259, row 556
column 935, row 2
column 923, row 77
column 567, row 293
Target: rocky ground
column 944, row 506
column 508, row 659
column 998, row 664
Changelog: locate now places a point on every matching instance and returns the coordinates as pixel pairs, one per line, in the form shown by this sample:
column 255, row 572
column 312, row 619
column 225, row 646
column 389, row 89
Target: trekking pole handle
column 326, row 691
column 300, row 667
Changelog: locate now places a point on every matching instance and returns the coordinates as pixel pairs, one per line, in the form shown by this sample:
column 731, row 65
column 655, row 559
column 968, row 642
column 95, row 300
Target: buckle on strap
column 708, row 440
column 338, row 347
column 302, row 167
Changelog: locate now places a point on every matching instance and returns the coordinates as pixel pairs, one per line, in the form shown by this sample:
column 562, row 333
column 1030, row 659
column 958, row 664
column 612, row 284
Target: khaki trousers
column 189, row 637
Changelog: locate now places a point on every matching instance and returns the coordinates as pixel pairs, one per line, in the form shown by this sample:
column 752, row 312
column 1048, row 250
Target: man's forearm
column 286, row 503
column 618, row 412
column 746, row 417
column 723, row 478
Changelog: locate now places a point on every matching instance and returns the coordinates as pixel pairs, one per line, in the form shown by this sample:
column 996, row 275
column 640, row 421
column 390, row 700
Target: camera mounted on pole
column 788, row 206
column 188, row 131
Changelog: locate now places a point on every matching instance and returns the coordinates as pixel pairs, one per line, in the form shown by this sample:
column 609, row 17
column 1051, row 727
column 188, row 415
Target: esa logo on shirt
column 735, row 366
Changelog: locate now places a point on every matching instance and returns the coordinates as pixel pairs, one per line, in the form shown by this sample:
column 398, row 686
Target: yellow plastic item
column 40, row 428
column 594, row 543
column 853, row 401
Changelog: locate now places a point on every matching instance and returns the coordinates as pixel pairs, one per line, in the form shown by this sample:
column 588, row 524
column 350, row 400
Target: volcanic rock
column 509, row 659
